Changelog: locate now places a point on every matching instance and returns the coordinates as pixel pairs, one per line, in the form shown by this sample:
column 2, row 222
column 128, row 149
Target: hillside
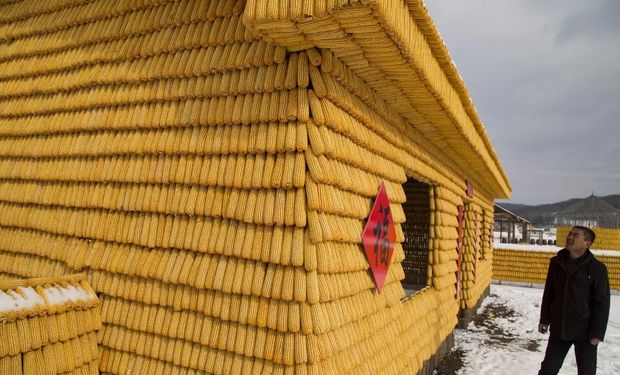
column 541, row 215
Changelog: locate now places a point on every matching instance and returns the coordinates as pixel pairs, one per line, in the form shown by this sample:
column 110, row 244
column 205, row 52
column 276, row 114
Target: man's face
column 576, row 240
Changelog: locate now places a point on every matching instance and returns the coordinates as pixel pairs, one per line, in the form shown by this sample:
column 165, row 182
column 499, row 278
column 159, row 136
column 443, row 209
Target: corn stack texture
column 477, row 256
column 49, row 326
column 396, row 48
column 531, row 266
column 606, row 239
column 209, row 165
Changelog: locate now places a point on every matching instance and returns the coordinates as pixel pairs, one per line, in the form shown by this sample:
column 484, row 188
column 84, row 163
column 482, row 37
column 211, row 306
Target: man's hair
column 587, row 233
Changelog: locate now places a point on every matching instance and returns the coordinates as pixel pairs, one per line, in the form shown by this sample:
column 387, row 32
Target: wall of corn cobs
column 531, row 266
column 214, row 185
column 477, row 253
column 49, row 326
column 607, row 239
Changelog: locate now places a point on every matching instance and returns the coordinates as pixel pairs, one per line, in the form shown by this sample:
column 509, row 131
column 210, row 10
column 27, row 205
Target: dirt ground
column 453, row 362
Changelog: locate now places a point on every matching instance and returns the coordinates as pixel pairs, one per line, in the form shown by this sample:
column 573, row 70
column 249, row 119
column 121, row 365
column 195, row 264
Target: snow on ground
column 503, row 338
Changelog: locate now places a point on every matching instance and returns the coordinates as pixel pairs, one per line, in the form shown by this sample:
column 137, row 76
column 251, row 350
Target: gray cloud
column 545, row 79
column 598, row 20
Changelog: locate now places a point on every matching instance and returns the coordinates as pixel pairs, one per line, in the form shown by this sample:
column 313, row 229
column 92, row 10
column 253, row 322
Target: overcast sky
column 545, row 79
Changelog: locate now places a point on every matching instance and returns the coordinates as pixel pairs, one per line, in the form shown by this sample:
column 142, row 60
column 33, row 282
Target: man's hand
column 542, row 328
column 595, row 341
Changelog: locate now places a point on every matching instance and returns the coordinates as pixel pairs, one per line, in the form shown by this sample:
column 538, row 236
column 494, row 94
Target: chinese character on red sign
column 379, row 236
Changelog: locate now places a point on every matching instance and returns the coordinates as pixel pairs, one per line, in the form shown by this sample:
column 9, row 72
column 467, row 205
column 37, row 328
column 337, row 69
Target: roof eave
column 434, row 100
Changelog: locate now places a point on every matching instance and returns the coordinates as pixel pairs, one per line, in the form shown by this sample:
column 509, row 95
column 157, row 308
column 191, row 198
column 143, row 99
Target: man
column 575, row 303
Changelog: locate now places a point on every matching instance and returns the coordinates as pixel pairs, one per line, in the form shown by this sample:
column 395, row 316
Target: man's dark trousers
column 585, row 353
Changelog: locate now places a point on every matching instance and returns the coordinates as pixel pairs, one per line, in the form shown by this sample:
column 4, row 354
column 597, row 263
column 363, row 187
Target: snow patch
column 506, row 341
column 25, row 298
column 58, row 295
column 21, row 298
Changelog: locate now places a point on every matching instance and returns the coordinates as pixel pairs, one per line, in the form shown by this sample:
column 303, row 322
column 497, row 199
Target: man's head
column 580, row 238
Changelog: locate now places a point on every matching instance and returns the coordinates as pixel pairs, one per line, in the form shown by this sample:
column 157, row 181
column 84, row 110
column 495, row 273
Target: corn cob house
column 210, row 166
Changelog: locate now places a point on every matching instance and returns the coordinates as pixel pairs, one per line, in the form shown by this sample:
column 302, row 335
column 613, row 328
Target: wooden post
column 501, row 230
column 509, row 231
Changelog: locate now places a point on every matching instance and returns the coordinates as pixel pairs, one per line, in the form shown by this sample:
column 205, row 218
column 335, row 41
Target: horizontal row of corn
column 531, row 266
column 607, row 239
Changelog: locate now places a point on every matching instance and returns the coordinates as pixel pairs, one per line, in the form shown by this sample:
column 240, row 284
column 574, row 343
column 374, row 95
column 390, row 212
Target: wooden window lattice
column 417, row 232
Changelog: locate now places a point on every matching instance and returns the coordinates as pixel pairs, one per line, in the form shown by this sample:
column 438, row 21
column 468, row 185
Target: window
column 416, row 229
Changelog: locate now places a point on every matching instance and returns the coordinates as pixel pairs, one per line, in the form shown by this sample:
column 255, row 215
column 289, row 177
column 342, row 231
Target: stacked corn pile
column 355, row 143
column 613, row 269
column 521, row 265
column 487, row 233
column 477, row 271
column 444, row 232
column 531, row 266
column 443, row 262
column 376, row 41
column 48, row 326
column 472, row 246
column 608, row 239
column 355, row 325
column 485, row 263
column 425, row 311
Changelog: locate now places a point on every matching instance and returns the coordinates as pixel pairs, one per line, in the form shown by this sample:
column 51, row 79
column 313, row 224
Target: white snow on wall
column 21, row 298
column 25, row 298
column 57, row 295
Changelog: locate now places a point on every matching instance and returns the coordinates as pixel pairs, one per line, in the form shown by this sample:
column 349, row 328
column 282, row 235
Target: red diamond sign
column 379, row 236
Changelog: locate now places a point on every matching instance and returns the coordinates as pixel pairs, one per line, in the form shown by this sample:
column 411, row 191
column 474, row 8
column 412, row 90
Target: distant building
column 590, row 212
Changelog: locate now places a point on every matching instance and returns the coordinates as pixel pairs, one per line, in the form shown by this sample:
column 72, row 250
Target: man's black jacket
column 576, row 299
